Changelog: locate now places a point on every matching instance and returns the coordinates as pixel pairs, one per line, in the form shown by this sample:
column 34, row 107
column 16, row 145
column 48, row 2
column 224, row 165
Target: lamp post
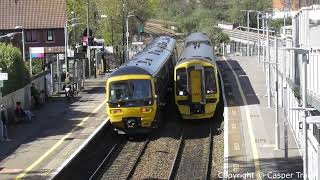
column 23, row 42
column 109, row 17
column 127, row 33
column 66, row 39
column 11, row 35
column 248, row 26
column 127, row 36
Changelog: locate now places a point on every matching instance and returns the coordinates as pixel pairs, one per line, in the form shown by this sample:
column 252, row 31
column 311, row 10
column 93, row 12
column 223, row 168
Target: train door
column 196, row 84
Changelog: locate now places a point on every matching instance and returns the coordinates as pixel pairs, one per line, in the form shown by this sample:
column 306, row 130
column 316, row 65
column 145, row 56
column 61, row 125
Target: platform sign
column 37, row 52
column 3, row 76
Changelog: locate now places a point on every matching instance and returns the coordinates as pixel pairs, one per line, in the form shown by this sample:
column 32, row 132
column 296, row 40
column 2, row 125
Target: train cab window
column 210, row 81
column 140, row 89
column 181, row 82
column 119, row 91
column 131, row 90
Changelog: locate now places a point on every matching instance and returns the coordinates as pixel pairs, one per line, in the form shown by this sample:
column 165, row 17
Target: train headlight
column 146, row 109
column 115, row 111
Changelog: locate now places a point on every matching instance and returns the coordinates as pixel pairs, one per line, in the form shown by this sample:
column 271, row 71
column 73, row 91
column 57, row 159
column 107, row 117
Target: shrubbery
column 12, row 63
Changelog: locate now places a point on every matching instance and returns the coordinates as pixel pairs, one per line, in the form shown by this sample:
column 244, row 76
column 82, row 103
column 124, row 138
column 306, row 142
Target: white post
column 305, row 113
column 58, row 74
column 127, row 36
column 264, row 47
column 258, row 27
column 66, row 46
column 88, row 46
column 269, row 69
column 223, row 50
column 23, row 47
column 248, row 26
column 30, row 61
column 277, row 140
column 51, row 78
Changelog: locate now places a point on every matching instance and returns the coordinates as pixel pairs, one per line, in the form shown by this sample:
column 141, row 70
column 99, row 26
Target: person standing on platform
column 4, row 124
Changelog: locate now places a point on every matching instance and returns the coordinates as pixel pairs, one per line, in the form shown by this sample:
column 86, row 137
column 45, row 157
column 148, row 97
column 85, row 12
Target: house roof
column 32, row 14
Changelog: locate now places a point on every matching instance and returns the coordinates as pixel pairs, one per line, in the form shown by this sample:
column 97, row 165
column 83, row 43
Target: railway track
column 193, row 157
column 121, row 161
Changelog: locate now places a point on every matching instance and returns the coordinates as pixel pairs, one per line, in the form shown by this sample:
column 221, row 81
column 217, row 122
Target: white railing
column 314, row 154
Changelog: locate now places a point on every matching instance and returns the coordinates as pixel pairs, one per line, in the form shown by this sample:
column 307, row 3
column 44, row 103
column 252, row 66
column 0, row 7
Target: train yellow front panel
column 146, row 117
column 196, row 86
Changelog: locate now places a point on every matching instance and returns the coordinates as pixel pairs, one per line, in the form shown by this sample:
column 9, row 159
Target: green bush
column 11, row 62
column 37, row 66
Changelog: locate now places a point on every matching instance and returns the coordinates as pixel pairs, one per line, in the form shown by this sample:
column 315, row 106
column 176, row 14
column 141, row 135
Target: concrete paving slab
column 248, row 114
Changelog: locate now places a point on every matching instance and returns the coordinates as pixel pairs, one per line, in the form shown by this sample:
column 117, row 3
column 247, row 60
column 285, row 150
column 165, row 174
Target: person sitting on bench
column 23, row 113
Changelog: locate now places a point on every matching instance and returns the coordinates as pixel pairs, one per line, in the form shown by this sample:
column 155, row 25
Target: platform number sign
column 3, row 77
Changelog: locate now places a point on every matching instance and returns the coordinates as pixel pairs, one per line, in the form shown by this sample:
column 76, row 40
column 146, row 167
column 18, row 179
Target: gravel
column 158, row 157
column 218, row 144
column 194, row 156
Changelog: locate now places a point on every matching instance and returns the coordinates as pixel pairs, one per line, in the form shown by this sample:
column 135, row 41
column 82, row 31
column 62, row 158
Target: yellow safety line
column 45, row 155
column 249, row 123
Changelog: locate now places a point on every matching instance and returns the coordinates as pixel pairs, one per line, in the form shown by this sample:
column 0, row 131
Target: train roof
column 196, row 37
column 150, row 60
column 200, row 49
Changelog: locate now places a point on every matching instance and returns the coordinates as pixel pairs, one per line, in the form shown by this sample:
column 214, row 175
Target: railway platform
column 38, row 149
column 250, row 151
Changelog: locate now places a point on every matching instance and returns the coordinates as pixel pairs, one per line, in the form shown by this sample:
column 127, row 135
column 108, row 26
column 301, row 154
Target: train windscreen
column 181, row 82
column 210, row 80
column 130, row 90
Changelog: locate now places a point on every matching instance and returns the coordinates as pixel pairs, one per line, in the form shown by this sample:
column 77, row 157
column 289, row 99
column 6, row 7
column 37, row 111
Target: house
column 41, row 20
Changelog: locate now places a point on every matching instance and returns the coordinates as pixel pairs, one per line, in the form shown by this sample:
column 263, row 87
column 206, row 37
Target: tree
column 12, row 63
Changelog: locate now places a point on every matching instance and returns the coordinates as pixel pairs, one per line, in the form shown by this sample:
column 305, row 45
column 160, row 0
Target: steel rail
column 174, row 165
column 209, row 155
column 137, row 159
column 97, row 172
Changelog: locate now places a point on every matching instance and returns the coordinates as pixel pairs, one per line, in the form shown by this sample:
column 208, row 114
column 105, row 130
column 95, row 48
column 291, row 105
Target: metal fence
column 290, row 82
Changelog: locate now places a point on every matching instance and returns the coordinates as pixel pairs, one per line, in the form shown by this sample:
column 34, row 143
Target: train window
column 210, row 80
column 181, row 82
column 130, row 90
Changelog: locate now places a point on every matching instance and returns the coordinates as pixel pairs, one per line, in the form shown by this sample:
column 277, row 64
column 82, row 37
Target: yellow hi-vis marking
column 249, row 123
column 45, row 155
column 196, row 86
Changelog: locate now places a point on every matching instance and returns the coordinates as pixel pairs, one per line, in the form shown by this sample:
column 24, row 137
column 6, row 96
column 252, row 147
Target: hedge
column 12, row 63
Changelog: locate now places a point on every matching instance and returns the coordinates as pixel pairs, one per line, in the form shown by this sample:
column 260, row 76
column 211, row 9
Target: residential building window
column 31, row 36
column 50, row 35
